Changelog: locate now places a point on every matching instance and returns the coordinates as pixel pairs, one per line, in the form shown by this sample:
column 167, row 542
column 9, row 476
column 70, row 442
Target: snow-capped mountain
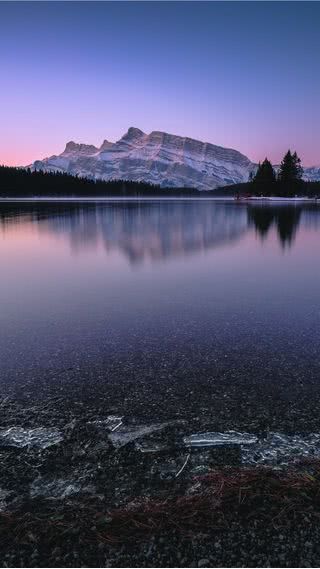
column 157, row 158
column 312, row 174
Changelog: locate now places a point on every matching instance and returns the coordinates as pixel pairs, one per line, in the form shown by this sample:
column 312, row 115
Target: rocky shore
column 86, row 482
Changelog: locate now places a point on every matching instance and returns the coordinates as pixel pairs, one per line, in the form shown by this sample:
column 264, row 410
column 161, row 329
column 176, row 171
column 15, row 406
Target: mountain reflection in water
column 141, row 230
column 157, row 230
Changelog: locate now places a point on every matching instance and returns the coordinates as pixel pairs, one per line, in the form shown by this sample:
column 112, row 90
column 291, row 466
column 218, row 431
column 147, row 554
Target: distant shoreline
column 158, row 198
column 115, row 199
column 20, row 185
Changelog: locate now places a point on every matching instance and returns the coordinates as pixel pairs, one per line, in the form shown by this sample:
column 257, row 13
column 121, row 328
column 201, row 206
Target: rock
column 203, row 563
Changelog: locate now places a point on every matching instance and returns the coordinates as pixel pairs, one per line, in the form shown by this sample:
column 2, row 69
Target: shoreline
column 135, row 504
column 278, row 199
column 158, row 198
column 114, row 199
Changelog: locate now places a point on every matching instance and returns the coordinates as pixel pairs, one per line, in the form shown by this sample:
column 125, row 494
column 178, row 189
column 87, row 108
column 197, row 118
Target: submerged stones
column 58, row 489
column 54, row 489
column 4, row 495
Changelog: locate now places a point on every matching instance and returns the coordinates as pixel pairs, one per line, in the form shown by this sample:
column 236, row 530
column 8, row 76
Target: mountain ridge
column 158, row 158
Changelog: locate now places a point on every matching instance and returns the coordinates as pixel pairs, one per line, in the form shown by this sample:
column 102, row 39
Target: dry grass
column 257, row 495
column 248, row 495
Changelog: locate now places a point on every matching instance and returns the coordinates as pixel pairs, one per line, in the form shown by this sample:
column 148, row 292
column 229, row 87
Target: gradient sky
column 239, row 74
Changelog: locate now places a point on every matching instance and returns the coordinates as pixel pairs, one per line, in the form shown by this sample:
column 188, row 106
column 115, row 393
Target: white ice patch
column 111, row 423
column 126, row 434
column 279, row 449
column 40, row 437
column 276, row 449
column 220, row 439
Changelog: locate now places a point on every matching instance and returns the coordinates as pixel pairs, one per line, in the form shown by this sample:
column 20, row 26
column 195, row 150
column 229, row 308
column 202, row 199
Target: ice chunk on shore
column 111, row 423
column 276, row 449
column 281, row 449
column 40, row 437
column 220, row 439
column 126, row 434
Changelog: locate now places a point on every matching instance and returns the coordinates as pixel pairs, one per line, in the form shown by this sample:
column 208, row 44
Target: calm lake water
column 167, row 289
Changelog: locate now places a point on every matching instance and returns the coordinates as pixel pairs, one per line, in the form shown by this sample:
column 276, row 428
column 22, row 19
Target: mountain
column 157, row 158
column 312, row 174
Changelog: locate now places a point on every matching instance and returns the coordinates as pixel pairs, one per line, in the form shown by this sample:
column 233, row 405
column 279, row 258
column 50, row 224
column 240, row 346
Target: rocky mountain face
column 312, row 174
column 157, row 158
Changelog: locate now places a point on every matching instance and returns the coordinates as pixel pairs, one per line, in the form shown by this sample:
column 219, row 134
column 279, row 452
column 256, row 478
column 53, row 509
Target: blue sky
column 239, row 74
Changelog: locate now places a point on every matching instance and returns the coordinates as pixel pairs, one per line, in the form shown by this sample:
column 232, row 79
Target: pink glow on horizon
column 87, row 71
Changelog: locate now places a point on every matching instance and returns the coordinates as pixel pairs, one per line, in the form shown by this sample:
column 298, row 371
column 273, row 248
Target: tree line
column 286, row 182
column 23, row 182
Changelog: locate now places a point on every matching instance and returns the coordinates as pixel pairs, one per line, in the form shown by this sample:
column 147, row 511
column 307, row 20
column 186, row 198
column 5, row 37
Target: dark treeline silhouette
column 306, row 189
column 287, row 182
column 19, row 182
column 286, row 219
column 22, row 182
column 265, row 175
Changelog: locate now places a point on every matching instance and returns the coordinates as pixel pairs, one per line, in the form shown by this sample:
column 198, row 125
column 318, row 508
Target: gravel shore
column 65, row 477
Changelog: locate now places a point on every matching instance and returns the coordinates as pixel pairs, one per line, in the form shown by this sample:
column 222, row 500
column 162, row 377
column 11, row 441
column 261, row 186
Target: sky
column 243, row 75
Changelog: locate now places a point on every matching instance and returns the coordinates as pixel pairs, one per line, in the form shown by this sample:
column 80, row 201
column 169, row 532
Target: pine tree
column 290, row 173
column 298, row 167
column 265, row 176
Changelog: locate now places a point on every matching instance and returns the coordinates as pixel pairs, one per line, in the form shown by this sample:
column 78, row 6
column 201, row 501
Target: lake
column 216, row 297
column 144, row 346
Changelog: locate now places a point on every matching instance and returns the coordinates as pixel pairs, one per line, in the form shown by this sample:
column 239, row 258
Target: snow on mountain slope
column 312, row 174
column 157, row 158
